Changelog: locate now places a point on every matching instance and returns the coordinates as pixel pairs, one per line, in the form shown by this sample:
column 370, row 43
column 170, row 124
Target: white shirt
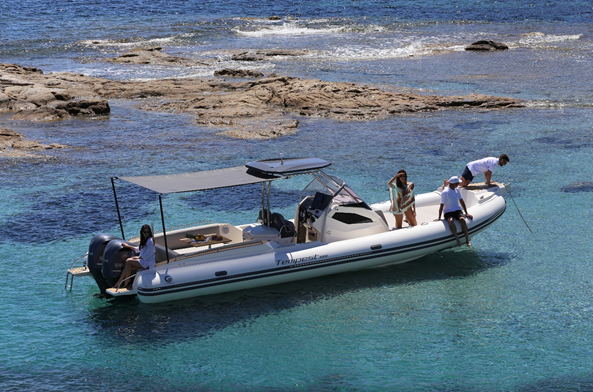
column 147, row 255
column 450, row 198
column 482, row 165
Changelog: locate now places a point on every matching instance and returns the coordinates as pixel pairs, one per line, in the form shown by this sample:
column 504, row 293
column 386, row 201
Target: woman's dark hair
column 398, row 182
column 142, row 238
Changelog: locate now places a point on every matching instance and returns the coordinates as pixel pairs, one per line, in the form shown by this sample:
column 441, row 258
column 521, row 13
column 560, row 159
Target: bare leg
column 131, row 264
column 398, row 220
column 125, row 273
column 464, row 227
column 411, row 217
column 464, row 182
column 454, row 230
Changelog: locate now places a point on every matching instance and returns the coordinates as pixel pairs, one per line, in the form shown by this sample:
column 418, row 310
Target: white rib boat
column 333, row 231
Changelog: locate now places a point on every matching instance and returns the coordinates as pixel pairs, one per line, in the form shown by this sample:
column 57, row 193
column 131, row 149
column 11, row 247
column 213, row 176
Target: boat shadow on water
column 127, row 321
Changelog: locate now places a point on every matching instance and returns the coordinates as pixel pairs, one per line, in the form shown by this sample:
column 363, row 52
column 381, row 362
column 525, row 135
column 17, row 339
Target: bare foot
column 469, row 243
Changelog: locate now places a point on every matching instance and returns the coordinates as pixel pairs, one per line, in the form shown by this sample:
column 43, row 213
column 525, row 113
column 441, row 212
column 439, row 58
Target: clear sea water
column 512, row 313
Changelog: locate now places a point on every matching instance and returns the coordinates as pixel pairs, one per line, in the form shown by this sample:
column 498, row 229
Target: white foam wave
column 372, row 53
column 288, row 29
column 259, row 28
column 533, row 39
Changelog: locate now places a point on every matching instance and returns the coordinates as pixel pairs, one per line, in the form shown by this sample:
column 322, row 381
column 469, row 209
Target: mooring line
column 517, row 207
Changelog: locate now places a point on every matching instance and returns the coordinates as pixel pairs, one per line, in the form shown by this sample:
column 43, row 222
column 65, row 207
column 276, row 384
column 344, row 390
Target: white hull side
column 231, row 271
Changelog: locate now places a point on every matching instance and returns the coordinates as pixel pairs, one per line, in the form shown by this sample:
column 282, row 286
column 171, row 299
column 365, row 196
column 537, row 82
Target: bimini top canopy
column 251, row 173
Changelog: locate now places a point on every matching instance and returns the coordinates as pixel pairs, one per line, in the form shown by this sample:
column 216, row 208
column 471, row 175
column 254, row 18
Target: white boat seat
column 260, row 232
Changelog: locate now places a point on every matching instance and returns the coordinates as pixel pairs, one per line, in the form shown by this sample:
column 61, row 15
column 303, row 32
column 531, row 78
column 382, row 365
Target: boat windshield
column 333, row 186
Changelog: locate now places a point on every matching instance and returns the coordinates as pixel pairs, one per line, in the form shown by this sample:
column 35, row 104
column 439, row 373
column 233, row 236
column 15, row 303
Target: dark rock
column 248, row 57
column 486, row 45
column 33, row 70
column 238, row 73
column 283, row 52
column 264, row 54
column 86, row 107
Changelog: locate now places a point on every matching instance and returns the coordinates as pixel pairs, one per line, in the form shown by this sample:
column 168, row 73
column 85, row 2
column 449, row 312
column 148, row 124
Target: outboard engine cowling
column 95, row 258
column 114, row 260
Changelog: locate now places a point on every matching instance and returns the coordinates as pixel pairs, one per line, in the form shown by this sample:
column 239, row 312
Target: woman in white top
column 402, row 199
column 146, row 259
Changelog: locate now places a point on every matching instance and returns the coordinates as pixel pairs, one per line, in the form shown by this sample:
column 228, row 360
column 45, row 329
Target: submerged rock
column 575, row 187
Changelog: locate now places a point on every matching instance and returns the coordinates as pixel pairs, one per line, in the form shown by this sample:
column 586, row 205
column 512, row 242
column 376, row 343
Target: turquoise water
column 513, row 313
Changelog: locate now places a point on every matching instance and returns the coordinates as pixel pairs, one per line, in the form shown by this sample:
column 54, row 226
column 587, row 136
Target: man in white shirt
column 485, row 165
column 451, row 203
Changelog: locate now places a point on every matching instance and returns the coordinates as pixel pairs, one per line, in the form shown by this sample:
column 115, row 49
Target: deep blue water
column 513, row 313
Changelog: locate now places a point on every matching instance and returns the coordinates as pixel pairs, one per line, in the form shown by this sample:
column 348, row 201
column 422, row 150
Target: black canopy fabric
column 288, row 165
column 199, row 181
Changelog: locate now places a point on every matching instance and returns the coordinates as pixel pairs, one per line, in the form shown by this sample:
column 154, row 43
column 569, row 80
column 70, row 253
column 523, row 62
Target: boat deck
column 481, row 185
column 79, row 271
column 120, row 292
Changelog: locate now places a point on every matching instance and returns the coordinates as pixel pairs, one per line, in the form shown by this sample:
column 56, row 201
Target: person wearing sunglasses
column 145, row 259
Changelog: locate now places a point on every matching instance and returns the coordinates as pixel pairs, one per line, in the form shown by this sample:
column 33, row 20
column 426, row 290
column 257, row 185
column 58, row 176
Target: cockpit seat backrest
column 285, row 227
column 263, row 217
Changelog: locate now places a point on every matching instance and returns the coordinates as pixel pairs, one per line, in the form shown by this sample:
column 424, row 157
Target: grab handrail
column 118, row 286
column 69, row 273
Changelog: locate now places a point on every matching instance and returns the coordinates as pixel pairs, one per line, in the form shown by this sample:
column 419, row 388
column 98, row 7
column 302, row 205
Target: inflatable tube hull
column 265, row 264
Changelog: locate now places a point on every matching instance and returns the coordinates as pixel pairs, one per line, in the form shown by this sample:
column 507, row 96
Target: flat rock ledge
column 154, row 56
column 14, row 145
column 265, row 108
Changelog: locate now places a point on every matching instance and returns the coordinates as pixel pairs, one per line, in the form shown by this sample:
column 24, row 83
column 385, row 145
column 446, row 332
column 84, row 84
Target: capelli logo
column 168, row 279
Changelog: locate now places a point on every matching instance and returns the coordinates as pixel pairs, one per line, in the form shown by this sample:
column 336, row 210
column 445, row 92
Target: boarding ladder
column 76, row 271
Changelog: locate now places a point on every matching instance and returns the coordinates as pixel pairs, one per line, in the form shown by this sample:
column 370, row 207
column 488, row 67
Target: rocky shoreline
column 255, row 107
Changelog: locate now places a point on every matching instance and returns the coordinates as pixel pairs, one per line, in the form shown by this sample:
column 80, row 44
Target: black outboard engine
column 114, row 260
column 95, row 259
